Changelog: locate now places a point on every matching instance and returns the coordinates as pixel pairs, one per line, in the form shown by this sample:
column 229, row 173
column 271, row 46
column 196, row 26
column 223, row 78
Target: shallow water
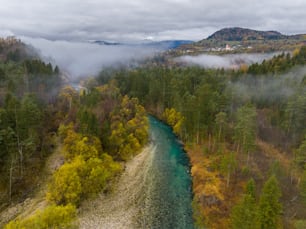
column 167, row 194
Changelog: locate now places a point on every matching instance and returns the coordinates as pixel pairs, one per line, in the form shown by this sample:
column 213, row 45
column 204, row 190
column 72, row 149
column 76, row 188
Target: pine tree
column 303, row 187
column 245, row 214
column 251, row 188
column 228, row 165
column 221, row 119
column 245, row 129
column 301, row 154
column 270, row 207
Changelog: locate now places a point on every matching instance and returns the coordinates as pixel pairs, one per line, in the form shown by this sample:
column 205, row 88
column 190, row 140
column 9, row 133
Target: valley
column 158, row 142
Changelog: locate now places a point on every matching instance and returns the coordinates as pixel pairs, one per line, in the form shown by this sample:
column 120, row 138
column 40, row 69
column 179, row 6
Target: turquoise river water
column 167, row 184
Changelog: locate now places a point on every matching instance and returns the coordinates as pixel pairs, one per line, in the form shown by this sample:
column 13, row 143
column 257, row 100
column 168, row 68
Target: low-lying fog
column 224, row 61
column 81, row 59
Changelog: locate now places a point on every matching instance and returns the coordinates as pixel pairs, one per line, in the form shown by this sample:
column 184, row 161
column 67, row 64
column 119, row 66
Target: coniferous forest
column 243, row 129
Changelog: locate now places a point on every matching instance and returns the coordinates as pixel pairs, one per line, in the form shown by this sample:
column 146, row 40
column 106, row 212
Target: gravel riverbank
column 119, row 209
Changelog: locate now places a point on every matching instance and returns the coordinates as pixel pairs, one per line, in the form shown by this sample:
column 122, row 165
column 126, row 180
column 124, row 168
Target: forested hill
column 23, row 73
column 241, row 40
column 12, row 49
column 239, row 34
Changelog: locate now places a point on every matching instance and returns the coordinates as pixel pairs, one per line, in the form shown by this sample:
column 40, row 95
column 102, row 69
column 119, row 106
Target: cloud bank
column 268, row 88
column 224, row 61
column 82, row 59
column 123, row 20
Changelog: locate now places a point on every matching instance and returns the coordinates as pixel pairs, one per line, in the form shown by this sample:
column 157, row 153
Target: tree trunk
column 198, row 136
column 219, row 134
column 248, row 158
column 70, row 103
column 11, row 181
column 19, row 146
column 209, row 143
column 228, row 179
column 228, row 175
column 21, row 160
column 238, row 147
column 198, row 128
column 213, row 144
column 243, row 143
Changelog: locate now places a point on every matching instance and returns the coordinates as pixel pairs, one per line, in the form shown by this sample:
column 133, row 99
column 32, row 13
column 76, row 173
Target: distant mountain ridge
column 165, row 44
column 239, row 34
column 168, row 44
column 242, row 40
column 244, row 34
column 105, row 43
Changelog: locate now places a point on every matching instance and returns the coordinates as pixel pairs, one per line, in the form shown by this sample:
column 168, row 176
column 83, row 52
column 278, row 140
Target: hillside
column 239, row 34
column 241, row 40
column 12, row 49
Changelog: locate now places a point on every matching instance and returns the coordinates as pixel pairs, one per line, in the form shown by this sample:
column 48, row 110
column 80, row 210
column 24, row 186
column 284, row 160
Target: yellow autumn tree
column 87, row 147
column 174, row 118
column 96, row 173
column 129, row 129
column 66, row 185
column 68, row 95
column 76, row 144
column 81, row 177
column 51, row 217
column 64, row 129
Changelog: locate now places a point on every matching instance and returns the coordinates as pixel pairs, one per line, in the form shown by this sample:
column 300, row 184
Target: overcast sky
column 126, row 20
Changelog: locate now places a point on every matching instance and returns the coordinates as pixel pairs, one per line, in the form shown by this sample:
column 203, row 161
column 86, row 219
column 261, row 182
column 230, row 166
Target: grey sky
column 126, row 20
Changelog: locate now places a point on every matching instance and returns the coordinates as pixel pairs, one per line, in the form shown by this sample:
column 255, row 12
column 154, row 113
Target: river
column 154, row 191
column 167, row 193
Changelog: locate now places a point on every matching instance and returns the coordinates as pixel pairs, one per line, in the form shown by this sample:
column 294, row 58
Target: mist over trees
column 27, row 86
column 232, row 115
column 94, row 130
column 240, row 127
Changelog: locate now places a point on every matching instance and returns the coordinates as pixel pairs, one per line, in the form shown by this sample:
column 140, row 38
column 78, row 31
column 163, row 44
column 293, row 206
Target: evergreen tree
column 245, row 214
column 270, row 207
column 228, row 165
column 301, row 154
column 245, row 129
column 295, row 115
column 221, row 119
column 303, row 187
column 251, row 188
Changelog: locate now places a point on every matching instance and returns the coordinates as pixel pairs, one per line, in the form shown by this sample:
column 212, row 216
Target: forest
column 95, row 130
column 243, row 129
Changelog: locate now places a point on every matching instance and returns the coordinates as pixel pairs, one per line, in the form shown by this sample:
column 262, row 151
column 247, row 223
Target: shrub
column 51, row 217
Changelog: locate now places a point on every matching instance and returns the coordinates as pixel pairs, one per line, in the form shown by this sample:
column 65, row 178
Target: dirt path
column 121, row 208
